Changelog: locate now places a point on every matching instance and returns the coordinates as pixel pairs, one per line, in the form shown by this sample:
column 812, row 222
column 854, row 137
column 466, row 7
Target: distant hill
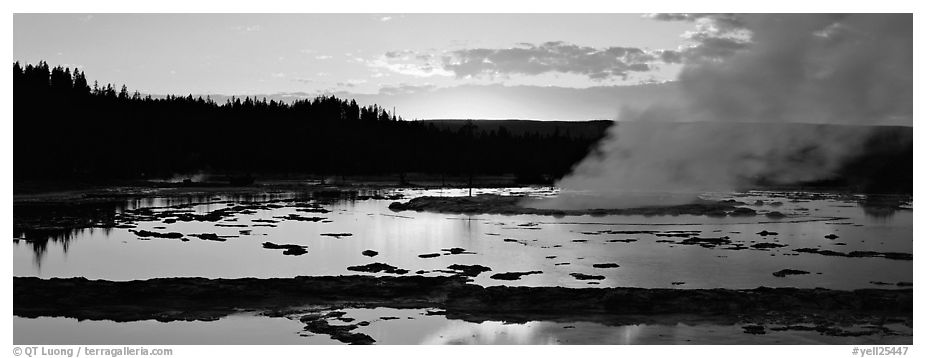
column 518, row 127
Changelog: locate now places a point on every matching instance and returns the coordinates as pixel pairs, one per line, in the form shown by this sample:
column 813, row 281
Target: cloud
column 557, row 56
column 716, row 36
column 528, row 59
column 720, row 20
column 385, row 18
column 409, row 63
column 323, row 57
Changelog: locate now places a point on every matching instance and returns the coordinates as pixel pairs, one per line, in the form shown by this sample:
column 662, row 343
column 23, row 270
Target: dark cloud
column 559, row 57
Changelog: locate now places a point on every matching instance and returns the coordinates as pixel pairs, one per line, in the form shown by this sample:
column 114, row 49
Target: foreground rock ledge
column 170, row 299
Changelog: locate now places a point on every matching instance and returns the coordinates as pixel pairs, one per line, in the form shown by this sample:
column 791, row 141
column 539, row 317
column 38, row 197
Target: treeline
column 67, row 128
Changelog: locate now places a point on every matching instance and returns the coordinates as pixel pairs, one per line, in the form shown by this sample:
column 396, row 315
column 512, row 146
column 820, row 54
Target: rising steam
column 758, row 98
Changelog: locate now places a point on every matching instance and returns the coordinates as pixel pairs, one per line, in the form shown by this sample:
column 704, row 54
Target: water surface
column 557, row 246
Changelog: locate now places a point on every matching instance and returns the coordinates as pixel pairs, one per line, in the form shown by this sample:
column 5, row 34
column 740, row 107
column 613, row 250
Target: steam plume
column 751, row 91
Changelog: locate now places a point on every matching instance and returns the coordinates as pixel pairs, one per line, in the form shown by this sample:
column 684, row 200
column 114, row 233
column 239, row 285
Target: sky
column 753, row 67
column 427, row 65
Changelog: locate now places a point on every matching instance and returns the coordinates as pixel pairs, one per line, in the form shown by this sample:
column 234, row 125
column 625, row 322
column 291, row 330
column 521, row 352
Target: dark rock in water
column 905, row 284
column 879, row 283
column 340, row 333
column 469, row 270
column 338, row 235
column 787, row 272
column 579, row 240
column 561, row 264
column 832, row 236
column 378, row 267
column 710, row 241
column 743, row 212
column 208, row 236
column 676, row 283
column 363, row 323
column 886, row 255
column 510, row 276
column 288, row 249
column 296, row 251
column 388, row 318
column 754, row 329
column 622, row 240
column 607, row 265
column 829, row 330
column 775, row 215
column 582, row 276
column 518, row 241
column 369, row 253
column 311, row 317
column 456, row 251
column 767, row 245
column 314, row 210
column 231, row 225
column 146, row 233
column 766, row 233
column 295, row 217
column 428, row 256
column 676, row 234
